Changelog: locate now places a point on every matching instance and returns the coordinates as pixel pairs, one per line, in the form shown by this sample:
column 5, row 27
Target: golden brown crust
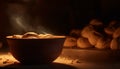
column 75, row 32
column 109, row 30
column 114, row 44
column 70, row 42
column 83, row 43
column 96, row 22
column 87, row 30
column 116, row 34
column 93, row 37
column 103, row 43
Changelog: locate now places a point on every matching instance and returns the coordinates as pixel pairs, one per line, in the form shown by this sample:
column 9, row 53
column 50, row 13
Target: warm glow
column 33, row 35
column 7, row 59
column 64, row 60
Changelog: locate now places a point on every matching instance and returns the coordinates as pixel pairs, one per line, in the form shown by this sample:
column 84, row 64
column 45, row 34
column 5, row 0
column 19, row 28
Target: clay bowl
column 36, row 51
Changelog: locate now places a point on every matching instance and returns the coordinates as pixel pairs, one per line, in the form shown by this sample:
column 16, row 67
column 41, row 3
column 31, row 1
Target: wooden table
column 69, row 59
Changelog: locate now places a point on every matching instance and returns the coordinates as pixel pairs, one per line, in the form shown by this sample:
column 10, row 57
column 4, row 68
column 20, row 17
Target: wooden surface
column 77, row 59
column 91, row 55
column 45, row 66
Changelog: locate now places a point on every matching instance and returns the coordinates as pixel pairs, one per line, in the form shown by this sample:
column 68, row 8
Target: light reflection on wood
column 7, row 59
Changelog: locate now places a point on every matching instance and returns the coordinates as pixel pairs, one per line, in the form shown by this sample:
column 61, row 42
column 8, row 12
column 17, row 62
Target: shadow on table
column 47, row 66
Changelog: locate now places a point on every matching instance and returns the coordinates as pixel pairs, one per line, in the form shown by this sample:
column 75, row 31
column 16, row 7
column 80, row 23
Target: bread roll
column 83, row 43
column 109, row 30
column 87, row 30
column 115, row 44
column 96, row 22
column 75, row 32
column 116, row 34
column 114, row 23
column 93, row 37
column 70, row 42
column 103, row 43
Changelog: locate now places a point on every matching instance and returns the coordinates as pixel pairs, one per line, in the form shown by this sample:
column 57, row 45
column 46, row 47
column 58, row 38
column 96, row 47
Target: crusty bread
column 115, row 44
column 103, row 43
column 114, row 23
column 109, row 30
column 96, row 22
column 70, row 42
column 116, row 34
column 86, row 31
column 75, row 32
column 93, row 37
column 83, row 43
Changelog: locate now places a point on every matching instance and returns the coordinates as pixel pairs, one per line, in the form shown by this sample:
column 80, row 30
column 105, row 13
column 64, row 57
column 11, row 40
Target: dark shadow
column 44, row 66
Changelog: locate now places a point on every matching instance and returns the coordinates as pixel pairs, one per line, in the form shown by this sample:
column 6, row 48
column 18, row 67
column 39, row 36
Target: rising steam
column 20, row 23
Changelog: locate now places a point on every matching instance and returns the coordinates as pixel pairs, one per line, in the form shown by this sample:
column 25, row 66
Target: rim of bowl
column 53, row 37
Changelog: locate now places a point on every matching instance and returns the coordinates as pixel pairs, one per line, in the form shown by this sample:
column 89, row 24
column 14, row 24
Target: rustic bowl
column 36, row 51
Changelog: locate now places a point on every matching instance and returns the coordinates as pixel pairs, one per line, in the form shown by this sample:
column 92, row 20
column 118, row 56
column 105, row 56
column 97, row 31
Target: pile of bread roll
column 95, row 35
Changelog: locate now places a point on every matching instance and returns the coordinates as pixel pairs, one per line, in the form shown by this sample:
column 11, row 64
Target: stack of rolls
column 91, row 37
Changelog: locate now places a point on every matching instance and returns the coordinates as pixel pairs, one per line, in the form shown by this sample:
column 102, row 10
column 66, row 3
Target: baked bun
column 114, row 23
column 96, row 22
column 75, row 32
column 116, row 34
column 109, row 30
column 94, row 37
column 115, row 44
column 87, row 30
column 103, row 43
column 70, row 42
column 83, row 43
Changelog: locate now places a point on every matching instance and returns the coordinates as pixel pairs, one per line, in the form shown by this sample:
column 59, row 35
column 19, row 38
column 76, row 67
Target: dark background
column 53, row 16
column 57, row 16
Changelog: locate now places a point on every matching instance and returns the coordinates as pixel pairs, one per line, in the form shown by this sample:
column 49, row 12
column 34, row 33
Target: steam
column 22, row 23
column 18, row 23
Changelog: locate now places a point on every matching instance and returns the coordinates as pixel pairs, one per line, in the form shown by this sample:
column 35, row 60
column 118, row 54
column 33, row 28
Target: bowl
column 36, row 51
